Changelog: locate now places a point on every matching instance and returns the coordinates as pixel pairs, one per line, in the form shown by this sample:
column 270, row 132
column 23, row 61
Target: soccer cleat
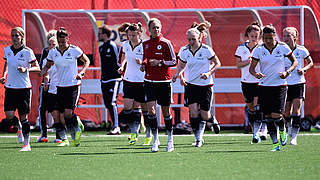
column 147, row 141
column 263, row 137
column 256, row 139
column 42, row 139
column 216, row 128
column 294, row 141
column 170, row 146
column 283, row 137
column 26, row 148
column 155, row 147
column 133, row 138
column 20, row 136
column 77, row 138
column 275, row 147
column 57, row 141
column 115, row 131
column 195, row 142
column 80, row 123
column 199, row 143
column 64, row 142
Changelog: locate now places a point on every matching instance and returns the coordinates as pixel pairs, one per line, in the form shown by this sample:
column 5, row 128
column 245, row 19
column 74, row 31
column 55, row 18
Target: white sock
column 148, row 132
column 155, row 136
column 256, row 127
column 294, row 132
column 202, row 127
column 170, row 135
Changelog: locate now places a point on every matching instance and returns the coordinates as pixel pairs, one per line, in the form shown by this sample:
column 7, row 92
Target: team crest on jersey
column 245, row 52
column 56, row 55
column 69, row 54
column 9, row 54
column 108, row 50
column 200, row 55
column 21, row 55
column 297, row 55
column 278, row 53
column 159, row 47
column 264, row 53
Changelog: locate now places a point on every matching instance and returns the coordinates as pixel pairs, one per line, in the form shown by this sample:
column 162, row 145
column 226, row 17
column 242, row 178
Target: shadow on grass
column 102, row 153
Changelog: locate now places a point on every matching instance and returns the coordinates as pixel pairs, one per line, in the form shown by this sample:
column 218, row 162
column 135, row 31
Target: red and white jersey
column 244, row 53
column 132, row 72
column 272, row 63
column 53, row 76
column 158, row 48
column 66, row 64
column 15, row 58
column 196, row 64
column 301, row 53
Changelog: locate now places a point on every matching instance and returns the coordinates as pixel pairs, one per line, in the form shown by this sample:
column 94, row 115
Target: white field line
column 162, row 135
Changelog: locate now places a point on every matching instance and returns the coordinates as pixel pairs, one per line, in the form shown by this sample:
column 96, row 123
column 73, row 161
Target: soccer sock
column 26, row 131
column 251, row 118
column 264, row 129
column 194, row 125
column 258, row 122
column 168, row 124
column 128, row 117
column 147, row 124
column 154, row 127
column 289, row 124
column 136, row 120
column 296, row 121
column 272, row 130
column 60, row 130
column 202, row 126
column 70, row 127
column 280, row 122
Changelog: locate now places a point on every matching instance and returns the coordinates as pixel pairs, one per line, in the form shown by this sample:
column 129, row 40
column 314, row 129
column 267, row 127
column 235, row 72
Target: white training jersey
column 244, row 53
column 23, row 58
column 196, row 64
column 132, row 72
column 301, row 53
column 66, row 65
column 53, row 76
column 272, row 63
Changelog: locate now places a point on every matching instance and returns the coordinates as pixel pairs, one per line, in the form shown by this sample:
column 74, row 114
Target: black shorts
column 52, row 102
column 296, row 91
column 158, row 91
column 201, row 95
column 134, row 91
column 68, row 97
column 17, row 99
column 249, row 91
column 272, row 99
column 110, row 92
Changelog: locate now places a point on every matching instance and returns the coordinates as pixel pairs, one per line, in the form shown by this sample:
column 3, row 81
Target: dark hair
column 106, row 30
column 62, row 32
column 255, row 26
column 268, row 29
column 132, row 27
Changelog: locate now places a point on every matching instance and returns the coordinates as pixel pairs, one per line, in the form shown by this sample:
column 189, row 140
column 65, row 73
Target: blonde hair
column 51, row 33
column 292, row 31
column 20, row 32
column 152, row 20
column 202, row 27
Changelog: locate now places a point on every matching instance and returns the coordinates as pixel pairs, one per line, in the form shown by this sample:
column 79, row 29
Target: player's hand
column 174, row 77
column 22, row 69
column 259, row 75
column 2, row 80
column 142, row 68
column 204, row 75
column 284, row 74
column 120, row 70
column 79, row 76
column 301, row 72
column 138, row 61
column 154, row 62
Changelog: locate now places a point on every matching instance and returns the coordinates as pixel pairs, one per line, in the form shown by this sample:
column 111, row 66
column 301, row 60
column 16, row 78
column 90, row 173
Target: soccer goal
column 226, row 33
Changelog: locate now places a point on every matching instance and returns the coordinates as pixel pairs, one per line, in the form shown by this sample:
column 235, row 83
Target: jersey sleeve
column 306, row 53
column 256, row 54
column 286, row 50
column 5, row 54
column 50, row 55
column 171, row 59
column 30, row 56
column 121, row 52
column 210, row 53
column 77, row 52
column 238, row 54
column 181, row 55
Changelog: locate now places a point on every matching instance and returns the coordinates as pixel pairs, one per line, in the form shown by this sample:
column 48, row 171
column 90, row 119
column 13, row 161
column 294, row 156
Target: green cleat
column 133, row 138
column 147, row 141
column 283, row 137
column 77, row 138
column 275, row 147
column 64, row 142
column 80, row 124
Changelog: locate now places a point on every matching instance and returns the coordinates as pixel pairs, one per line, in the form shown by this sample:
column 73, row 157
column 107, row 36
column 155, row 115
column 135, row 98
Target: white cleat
column 170, row 146
column 195, row 142
column 294, row 142
column 26, row 148
column 199, row 143
column 155, row 146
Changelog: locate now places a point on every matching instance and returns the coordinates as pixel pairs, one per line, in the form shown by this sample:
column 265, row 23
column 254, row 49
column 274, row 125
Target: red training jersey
column 158, row 48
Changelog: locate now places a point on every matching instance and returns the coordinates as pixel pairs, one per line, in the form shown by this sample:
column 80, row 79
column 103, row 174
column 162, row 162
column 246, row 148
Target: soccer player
column 110, row 78
column 64, row 57
column 158, row 57
column 131, row 54
column 201, row 63
column 249, row 83
column 43, row 95
column 296, row 82
column 19, row 61
column 272, row 85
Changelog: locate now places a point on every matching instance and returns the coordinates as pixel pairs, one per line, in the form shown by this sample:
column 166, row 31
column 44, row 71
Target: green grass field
column 227, row 156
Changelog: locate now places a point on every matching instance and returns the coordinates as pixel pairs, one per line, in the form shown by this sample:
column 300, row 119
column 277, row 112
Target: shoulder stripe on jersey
column 290, row 54
column 237, row 56
column 32, row 61
column 173, row 56
column 256, row 59
column 49, row 60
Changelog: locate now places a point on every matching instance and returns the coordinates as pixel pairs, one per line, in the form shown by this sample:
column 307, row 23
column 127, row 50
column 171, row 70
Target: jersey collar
column 15, row 51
